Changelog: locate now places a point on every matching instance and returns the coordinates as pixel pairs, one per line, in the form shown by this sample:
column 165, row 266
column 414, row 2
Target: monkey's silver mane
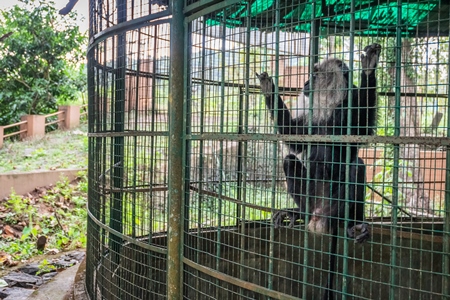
column 329, row 89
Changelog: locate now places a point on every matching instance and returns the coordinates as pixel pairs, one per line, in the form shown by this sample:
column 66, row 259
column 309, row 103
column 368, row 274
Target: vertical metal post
column 313, row 58
column 176, row 189
column 187, row 106
column 116, row 219
column 93, row 236
column 446, row 233
column 275, row 143
column 348, row 154
column 395, row 180
column 244, row 99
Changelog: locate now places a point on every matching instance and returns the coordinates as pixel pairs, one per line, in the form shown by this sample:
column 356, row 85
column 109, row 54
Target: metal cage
column 186, row 163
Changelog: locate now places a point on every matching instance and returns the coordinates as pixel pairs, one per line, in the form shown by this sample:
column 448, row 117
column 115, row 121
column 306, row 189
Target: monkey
column 68, row 8
column 320, row 181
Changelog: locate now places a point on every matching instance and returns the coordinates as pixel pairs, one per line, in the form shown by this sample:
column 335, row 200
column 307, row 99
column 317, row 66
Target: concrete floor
column 67, row 285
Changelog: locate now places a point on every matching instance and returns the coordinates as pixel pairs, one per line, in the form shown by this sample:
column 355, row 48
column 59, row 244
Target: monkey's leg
column 357, row 228
column 329, row 289
column 295, row 173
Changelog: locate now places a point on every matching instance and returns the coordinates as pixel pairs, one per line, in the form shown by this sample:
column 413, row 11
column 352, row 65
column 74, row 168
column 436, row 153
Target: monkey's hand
column 369, row 58
column 266, row 83
column 290, row 214
column 363, row 229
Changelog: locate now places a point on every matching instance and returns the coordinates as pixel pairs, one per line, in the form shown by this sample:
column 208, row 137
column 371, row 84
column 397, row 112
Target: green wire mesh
column 232, row 156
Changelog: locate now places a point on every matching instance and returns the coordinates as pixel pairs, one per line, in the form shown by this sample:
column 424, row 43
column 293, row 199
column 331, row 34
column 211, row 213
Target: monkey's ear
column 316, row 67
column 344, row 68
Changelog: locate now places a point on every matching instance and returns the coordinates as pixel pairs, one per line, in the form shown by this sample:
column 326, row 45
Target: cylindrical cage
column 269, row 149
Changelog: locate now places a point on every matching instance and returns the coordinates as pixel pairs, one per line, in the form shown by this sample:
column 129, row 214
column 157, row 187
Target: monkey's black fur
column 321, row 180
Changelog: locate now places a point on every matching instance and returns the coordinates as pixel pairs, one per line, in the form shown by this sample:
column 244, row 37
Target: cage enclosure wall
column 194, row 158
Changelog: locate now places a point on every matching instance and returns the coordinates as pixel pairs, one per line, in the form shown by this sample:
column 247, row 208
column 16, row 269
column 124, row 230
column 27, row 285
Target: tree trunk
column 411, row 181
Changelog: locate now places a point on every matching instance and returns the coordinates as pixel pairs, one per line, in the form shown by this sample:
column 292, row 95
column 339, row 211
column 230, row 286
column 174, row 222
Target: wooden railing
column 68, row 116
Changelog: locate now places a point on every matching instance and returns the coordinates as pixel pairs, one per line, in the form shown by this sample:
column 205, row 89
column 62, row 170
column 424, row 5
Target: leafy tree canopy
column 41, row 60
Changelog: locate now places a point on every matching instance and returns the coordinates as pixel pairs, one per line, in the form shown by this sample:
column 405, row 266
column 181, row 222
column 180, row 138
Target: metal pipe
column 395, row 180
column 175, row 157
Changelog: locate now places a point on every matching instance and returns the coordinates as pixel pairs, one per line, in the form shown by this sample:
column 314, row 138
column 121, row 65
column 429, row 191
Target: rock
column 3, row 293
column 48, row 276
column 78, row 255
column 22, row 279
column 64, row 263
column 15, row 293
column 30, row 269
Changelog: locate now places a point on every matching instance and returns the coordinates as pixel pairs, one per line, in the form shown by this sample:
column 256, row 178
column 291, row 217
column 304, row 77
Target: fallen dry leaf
column 9, row 232
column 7, row 260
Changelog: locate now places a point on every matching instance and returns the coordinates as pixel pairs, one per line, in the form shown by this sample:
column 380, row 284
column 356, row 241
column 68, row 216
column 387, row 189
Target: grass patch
column 56, row 150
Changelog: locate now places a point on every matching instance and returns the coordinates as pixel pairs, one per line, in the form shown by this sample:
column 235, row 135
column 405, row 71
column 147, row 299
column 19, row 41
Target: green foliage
column 62, row 218
column 45, row 267
column 39, row 61
column 18, row 205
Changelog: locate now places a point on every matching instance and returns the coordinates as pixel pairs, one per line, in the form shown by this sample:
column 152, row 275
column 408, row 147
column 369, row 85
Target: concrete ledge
column 23, row 183
column 78, row 291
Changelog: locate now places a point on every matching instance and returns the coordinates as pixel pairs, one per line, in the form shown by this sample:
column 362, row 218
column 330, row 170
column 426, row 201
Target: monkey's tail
column 329, row 292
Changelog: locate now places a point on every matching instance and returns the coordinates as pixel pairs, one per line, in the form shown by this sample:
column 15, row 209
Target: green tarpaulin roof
column 372, row 17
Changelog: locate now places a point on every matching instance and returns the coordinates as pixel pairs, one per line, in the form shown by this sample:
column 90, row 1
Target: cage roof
column 372, row 17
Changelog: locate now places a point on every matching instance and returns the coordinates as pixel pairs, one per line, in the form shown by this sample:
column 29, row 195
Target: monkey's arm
column 286, row 124
column 364, row 119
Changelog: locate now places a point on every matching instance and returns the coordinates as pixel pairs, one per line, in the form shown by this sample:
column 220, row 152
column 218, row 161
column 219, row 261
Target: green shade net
column 372, row 17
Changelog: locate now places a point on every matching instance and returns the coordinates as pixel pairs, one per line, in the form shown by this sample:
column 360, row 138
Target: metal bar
column 135, row 138
column 226, row 198
column 220, row 163
column 211, row 8
column 313, row 59
column 118, row 144
column 244, row 105
column 395, row 140
column 94, row 237
column 124, row 26
column 125, row 237
column 152, row 119
column 199, row 5
column 175, row 155
column 128, row 133
column 446, row 231
column 345, row 277
column 238, row 282
column 395, row 180
column 188, row 144
column 274, row 158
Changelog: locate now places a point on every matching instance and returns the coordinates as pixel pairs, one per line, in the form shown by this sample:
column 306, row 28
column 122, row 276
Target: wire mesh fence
column 314, row 140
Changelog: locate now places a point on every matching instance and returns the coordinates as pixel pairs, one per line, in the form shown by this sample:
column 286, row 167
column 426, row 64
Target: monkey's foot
column 363, row 229
column 283, row 215
column 266, row 83
column 369, row 58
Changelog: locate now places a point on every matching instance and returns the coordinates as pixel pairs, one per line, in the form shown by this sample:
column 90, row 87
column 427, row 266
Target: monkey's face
column 328, row 84
column 330, row 74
